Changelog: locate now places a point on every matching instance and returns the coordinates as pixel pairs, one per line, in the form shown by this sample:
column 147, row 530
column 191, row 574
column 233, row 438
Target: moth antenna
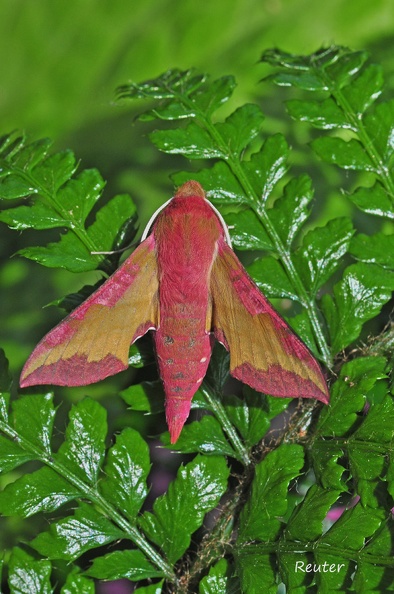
column 152, row 220
column 119, row 251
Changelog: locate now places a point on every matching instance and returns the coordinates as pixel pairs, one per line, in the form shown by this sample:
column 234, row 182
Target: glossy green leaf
column 33, row 417
column 217, row 581
column 252, row 414
column 15, row 186
column 365, row 89
column 198, row 486
column 348, row 395
column 269, row 275
column 306, row 521
column 12, row 455
column 41, row 491
column 193, row 142
column 260, row 517
column 219, row 183
column 69, row 253
column 71, row 537
column 255, row 570
column 28, row 575
column 347, row 154
column 205, row 436
column 170, row 83
column 116, row 212
column 377, row 249
column 353, row 528
column 37, row 216
column 210, row 97
column 374, row 200
column 55, row 171
column 291, row 210
column 267, row 166
column 321, row 252
column 32, row 154
column 325, row 115
column 241, row 127
column 83, row 449
column 381, row 119
column 147, row 397
column 126, row 470
column 130, row 564
column 358, row 297
column 78, row 196
column 78, row 584
column 247, row 232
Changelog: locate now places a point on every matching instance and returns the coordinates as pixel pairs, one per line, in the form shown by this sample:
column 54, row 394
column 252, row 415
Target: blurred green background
column 61, row 61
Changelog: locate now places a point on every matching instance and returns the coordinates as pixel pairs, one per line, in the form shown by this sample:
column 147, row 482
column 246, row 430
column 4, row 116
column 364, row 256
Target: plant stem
column 220, row 412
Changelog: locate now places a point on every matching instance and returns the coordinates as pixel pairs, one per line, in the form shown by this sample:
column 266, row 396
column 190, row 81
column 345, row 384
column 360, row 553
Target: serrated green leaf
column 118, row 210
column 132, row 565
column 33, row 417
column 12, row 455
column 301, row 325
column 241, row 127
column 126, row 470
column 33, row 153
column 37, row 216
column 269, row 275
column 69, row 253
column 348, row 395
column 78, row 584
column 306, row 522
column 267, row 166
column 147, row 397
column 219, row 183
column 41, row 491
column 321, row 252
column 218, row 580
column 260, row 518
column 210, row 97
column 71, row 537
column 352, row 529
column 78, row 196
column 365, row 89
column 377, row 249
column 374, row 200
column 204, row 436
column 291, row 211
column 379, row 124
column 247, row 233
column 27, row 575
column 192, row 141
column 83, row 449
column 326, row 466
column 15, row 186
column 198, row 486
column 55, row 171
column 255, row 570
column 325, row 115
column 170, row 83
column 358, row 297
column 347, row 154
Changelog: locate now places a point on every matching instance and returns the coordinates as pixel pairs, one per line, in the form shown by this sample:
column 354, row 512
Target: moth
column 186, row 284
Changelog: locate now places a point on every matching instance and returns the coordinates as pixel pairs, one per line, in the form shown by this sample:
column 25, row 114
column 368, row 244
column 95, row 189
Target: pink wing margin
column 93, row 341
